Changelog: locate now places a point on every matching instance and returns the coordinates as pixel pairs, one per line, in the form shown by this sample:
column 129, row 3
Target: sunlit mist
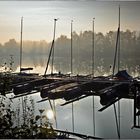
column 38, row 69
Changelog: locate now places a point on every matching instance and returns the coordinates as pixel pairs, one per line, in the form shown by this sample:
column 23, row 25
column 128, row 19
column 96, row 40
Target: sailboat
column 22, row 70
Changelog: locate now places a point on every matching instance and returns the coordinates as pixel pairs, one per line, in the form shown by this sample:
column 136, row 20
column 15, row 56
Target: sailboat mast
column 72, row 72
column 93, row 56
column 117, row 51
column 119, row 42
column 93, row 47
column 53, row 45
column 117, row 48
column 51, row 51
column 119, row 109
column 21, row 43
column 71, row 46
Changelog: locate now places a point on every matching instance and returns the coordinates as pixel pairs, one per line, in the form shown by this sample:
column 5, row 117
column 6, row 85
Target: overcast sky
column 39, row 15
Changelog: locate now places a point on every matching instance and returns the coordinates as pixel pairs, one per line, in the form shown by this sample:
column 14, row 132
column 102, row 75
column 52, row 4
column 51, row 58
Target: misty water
column 106, row 15
column 83, row 110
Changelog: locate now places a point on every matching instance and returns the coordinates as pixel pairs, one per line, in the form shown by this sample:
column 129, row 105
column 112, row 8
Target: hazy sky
column 39, row 15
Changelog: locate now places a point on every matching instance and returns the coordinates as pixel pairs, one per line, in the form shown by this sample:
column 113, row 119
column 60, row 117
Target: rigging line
column 52, row 60
column 119, row 42
column 51, row 50
column 118, row 132
column 119, row 49
column 49, row 58
column 53, row 46
column 115, row 56
column 72, row 116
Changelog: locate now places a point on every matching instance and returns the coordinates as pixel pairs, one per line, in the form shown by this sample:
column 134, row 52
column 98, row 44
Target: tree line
column 82, row 48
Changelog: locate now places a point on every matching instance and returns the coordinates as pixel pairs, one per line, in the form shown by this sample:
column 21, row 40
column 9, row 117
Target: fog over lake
column 38, row 18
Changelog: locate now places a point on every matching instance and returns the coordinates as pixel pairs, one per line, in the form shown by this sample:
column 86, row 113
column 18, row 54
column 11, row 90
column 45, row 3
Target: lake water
column 83, row 110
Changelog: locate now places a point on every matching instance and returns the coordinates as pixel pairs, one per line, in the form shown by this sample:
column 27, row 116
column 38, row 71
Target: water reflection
column 105, row 121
